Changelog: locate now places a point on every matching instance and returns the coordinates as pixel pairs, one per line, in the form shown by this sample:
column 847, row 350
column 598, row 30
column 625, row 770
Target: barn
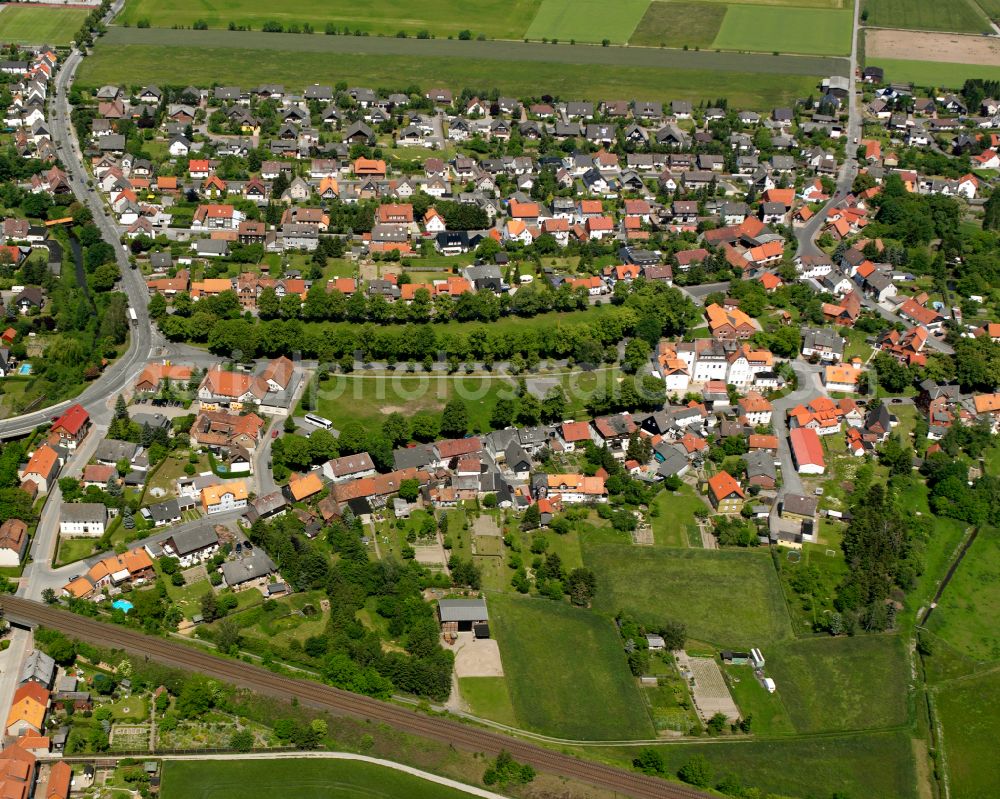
column 464, row 615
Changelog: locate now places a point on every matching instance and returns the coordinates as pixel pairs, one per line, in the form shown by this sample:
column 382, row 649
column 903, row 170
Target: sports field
column 586, row 20
column 933, row 74
column 960, row 16
column 504, row 19
column 785, row 30
column 725, row 598
column 520, row 78
column 24, row 24
column 566, row 671
column 303, row 779
column 841, row 684
column 669, row 24
column 966, row 616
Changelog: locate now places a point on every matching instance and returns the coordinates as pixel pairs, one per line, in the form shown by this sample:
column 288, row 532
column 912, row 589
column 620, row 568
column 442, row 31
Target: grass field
column 841, row 684
column 566, row 671
column 586, row 20
column 969, row 711
column 524, row 70
column 488, row 698
column 990, row 7
column 785, row 30
column 725, row 598
column 304, row 779
column 504, row 19
column 958, row 16
column 669, row 24
column 967, row 611
column 40, row 25
column 935, row 74
column 675, row 525
column 369, row 398
column 74, row 549
column 877, row 766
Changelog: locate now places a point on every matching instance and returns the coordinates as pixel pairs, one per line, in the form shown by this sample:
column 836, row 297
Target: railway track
column 325, row 697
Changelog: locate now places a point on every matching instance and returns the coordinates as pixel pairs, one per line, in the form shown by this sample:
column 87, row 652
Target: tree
column 716, row 724
column 210, row 607
column 121, row 409
column 674, row 634
column 227, row 635
column 503, row 414
column 581, row 586
column 697, row 771
column 531, row 518
column 409, row 490
column 454, row 419
column 649, row 762
column 49, row 596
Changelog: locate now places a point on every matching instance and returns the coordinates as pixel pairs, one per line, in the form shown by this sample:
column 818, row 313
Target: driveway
column 809, row 386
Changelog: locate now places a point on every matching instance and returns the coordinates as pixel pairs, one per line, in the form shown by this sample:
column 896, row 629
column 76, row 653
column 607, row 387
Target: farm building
column 464, row 615
column 807, row 451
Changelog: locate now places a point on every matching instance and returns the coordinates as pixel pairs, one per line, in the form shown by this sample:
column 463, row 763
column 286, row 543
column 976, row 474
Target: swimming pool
column 122, row 604
column 24, row 369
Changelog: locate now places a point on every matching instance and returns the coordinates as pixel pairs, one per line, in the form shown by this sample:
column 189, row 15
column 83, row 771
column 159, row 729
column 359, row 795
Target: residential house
column 725, row 493
column 82, row 519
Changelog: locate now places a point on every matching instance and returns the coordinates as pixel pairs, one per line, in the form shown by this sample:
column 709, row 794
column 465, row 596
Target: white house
column 82, row 519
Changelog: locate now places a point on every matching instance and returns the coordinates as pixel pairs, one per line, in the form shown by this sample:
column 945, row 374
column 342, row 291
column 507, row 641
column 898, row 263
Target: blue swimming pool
column 24, row 369
column 122, row 604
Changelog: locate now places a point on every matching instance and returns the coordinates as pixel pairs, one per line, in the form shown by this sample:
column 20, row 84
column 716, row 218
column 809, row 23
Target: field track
column 480, row 51
column 340, row 702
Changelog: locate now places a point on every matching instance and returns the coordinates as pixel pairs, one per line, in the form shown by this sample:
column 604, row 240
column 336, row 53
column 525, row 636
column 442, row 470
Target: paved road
column 120, row 374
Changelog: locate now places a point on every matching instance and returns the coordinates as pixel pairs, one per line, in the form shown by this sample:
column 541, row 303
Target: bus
column 132, row 317
column 318, row 421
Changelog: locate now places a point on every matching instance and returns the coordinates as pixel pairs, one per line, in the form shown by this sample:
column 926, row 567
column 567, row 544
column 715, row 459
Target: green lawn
column 675, row 525
column 785, row 30
column 710, row 76
column 369, row 398
column 959, row 16
column 566, row 671
column 669, row 24
column 768, row 712
column 188, row 597
column 586, row 20
column 969, row 711
column 488, row 698
column 934, row 73
column 135, row 708
column 991, row 7
column 504, row 19
column 74, row 549
column 304, row 779
column 966, row 615
column 40, row 25
column 877, row 766
column 841, row 684
column 725, row 598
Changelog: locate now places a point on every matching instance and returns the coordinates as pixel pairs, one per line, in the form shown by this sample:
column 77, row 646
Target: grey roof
column 38, row 667
column 83, row 512
column 154, row 420
column 251, row 567
column 463, row 610
column 165, row 511
column 413, row 457
column 351, row 464
column 193, row 539
column 799, row 504
column 673, row 462
column 760, row 463
column 111, row 450
column 811, row 339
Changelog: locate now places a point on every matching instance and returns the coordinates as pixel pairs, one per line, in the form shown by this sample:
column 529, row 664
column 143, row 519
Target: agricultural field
column 501, row 19
column 841, row 684
column 681, row 24
column 728, row 599
column 586, row 20
column 515, row 68
column 968, row 710
column 304, row 779
column 768, row 711
column 874, row 765
column 956, row 16
column 935, row 74
column 566, row 671
column 24, row 24
column 785, row 30
column 966, row 614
